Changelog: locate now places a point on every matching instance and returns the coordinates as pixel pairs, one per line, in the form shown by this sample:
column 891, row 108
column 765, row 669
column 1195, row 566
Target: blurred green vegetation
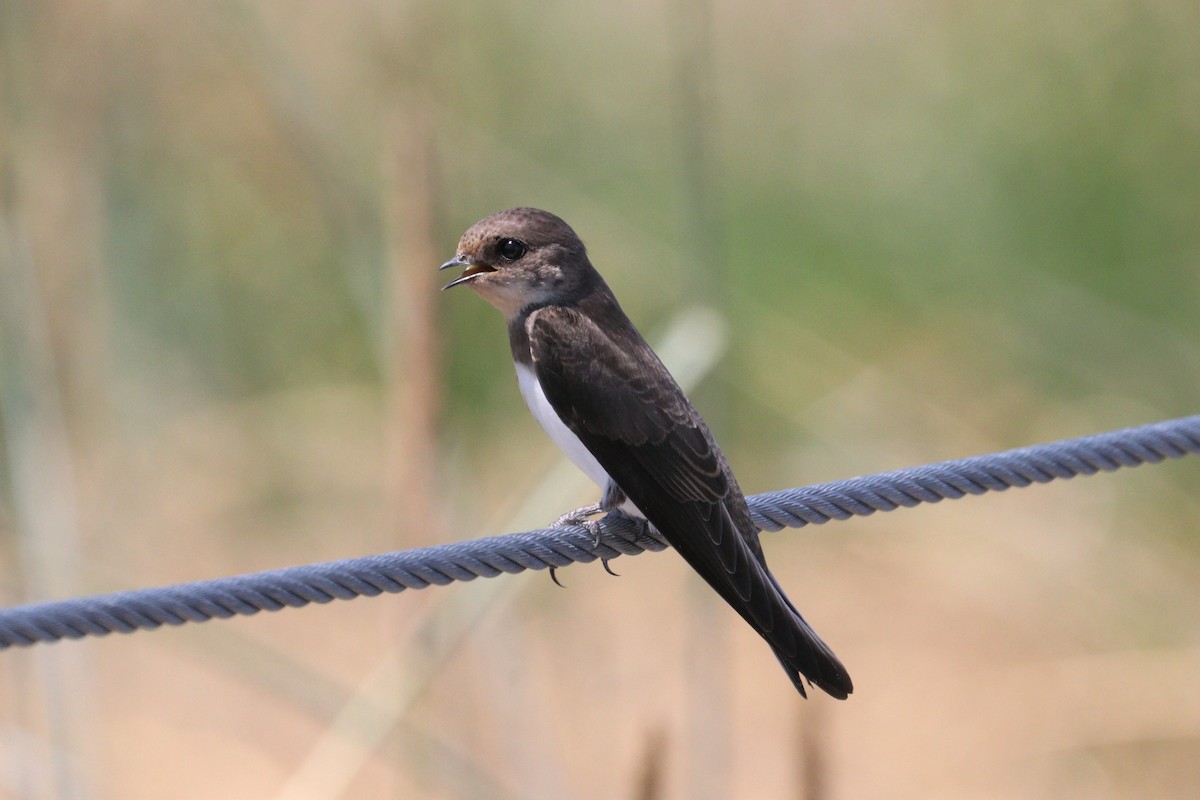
column 876, row 176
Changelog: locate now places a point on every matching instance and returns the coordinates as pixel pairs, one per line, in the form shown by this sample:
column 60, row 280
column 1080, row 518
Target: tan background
column 870, row 235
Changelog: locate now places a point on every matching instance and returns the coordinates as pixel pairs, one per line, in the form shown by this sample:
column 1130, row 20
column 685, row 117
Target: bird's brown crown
column 534, row 227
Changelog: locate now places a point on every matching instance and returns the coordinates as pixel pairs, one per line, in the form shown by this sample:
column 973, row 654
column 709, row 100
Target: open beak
column 473, row 270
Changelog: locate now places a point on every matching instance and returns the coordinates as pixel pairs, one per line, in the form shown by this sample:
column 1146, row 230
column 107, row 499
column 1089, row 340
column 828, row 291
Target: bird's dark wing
column 615, row 395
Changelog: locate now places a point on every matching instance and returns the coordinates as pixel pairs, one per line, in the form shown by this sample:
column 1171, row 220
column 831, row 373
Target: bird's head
column 522, row 257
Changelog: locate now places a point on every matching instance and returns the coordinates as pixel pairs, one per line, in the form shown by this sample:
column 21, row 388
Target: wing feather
column 625, row 407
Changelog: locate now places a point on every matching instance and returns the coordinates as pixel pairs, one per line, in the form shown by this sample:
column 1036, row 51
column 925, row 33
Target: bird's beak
column 473, row 269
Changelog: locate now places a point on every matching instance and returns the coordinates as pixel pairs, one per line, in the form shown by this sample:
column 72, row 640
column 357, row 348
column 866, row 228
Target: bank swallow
column 604, row 397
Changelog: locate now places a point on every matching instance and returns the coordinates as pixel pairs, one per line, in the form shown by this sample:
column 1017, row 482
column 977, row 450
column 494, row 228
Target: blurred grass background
column 927, row 231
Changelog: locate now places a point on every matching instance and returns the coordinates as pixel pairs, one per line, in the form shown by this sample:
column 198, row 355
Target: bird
column 602, row 395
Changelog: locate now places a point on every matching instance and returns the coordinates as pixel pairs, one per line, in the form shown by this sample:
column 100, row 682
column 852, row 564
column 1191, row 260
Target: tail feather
column 803, row 654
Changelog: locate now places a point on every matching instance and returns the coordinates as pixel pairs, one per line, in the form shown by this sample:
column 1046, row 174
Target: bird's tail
column 804, row 655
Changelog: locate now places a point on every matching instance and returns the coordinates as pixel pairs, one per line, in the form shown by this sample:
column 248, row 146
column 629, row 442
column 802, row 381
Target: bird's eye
column 511, row 249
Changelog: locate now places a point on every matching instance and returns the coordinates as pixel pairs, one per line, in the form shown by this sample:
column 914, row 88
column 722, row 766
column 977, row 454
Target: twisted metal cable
column 147, row 609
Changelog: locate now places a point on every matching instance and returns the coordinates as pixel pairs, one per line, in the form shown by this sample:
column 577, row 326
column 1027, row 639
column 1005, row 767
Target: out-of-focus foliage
column 933, row 230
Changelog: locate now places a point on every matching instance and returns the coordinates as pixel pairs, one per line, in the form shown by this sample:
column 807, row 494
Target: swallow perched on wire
column 604, row 397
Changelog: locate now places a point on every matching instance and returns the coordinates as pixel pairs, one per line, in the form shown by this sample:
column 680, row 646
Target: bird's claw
column 580, row 516
column 641, row 525
column 583, row 518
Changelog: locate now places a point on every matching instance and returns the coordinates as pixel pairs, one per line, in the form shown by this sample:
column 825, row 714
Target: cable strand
column 370, row 576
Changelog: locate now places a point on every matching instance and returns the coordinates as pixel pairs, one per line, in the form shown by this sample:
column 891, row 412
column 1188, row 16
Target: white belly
column 563, row 436
column 556, row 429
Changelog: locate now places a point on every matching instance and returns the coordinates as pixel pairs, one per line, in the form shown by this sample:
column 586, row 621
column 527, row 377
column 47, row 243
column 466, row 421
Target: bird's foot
column 580, row 516
column 583, row 518
column 641, row 525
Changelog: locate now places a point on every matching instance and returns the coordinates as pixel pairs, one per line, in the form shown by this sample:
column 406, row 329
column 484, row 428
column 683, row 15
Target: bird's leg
column 583, row 518
column 641, row 525
column 609, row 504
column 579, row 516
